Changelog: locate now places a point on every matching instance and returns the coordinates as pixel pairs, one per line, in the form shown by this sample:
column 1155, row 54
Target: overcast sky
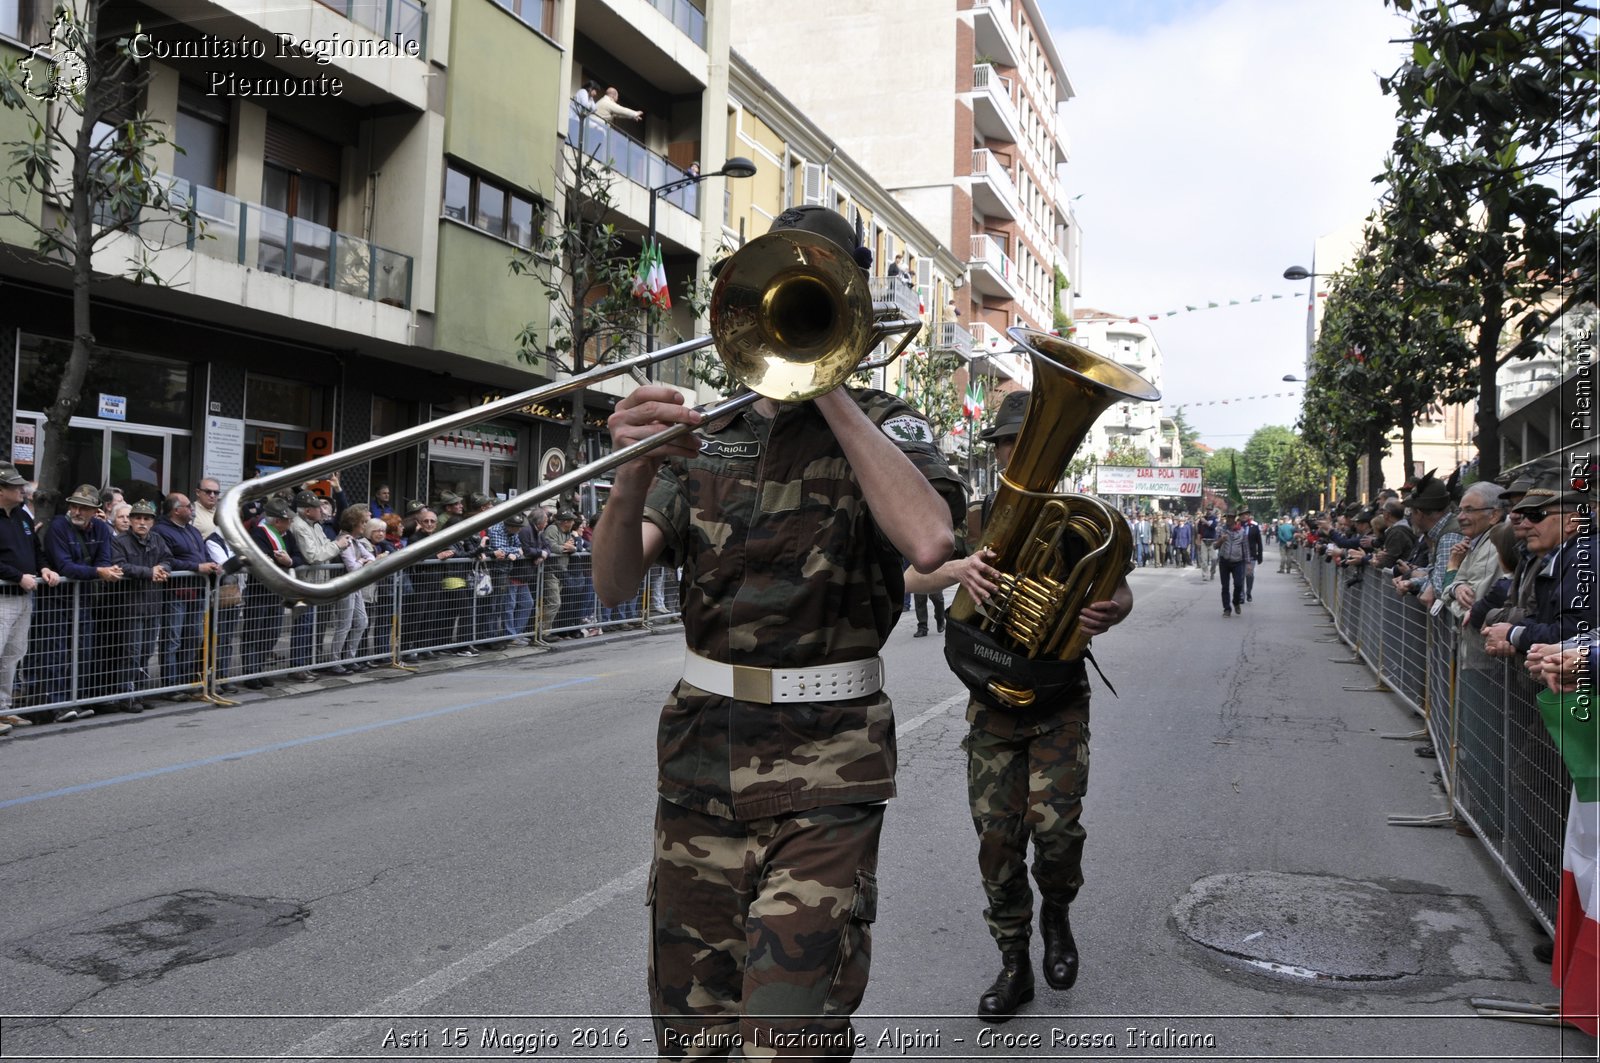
column 1212, row 142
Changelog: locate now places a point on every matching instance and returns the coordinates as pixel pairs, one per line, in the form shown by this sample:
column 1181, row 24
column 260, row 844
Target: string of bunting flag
column 1236, row 398
column 1136, row 319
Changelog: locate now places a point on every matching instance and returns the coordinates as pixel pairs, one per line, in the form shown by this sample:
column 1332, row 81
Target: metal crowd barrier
column 1503, row 774
column 93, row 644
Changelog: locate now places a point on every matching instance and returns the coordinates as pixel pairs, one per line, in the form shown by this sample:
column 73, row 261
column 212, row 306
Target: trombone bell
column 792, row 315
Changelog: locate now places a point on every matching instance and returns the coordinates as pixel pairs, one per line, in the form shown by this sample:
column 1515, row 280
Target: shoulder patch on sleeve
column 908, row 429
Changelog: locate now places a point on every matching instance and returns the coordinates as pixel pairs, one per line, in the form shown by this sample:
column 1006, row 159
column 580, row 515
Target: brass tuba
column 1056, row 553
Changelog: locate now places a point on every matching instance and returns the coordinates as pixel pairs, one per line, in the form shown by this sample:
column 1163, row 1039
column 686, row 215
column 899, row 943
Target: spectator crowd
column 105, row 607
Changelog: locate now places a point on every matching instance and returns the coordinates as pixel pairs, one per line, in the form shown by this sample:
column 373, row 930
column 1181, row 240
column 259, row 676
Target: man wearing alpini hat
column 1026, row 777
column 23, row 568
column 1556, row 515
column 1423, row 574
column 776, row 751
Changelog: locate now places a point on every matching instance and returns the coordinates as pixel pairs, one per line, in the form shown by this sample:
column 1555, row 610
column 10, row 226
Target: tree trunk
column 1407, row 430
column 1375, row 449
column 52, row 470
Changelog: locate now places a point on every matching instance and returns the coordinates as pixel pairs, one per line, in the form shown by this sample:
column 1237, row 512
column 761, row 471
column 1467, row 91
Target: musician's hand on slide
column 980, row 578
column 1100, row 617
column 650, row 409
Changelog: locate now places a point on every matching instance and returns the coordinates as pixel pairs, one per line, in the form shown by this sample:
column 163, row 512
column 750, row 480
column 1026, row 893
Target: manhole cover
column 1321, row 928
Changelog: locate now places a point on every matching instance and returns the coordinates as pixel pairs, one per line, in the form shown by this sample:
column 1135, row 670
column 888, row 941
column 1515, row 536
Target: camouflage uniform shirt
column 783, row 567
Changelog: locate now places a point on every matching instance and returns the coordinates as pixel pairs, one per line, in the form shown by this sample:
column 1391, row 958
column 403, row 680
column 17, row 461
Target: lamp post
column 1300, row 273
column 738, row 166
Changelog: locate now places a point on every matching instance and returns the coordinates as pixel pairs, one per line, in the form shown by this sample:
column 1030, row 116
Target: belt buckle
column 752, row 684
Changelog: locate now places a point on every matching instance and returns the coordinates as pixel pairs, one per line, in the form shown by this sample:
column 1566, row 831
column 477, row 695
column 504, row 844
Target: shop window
column 153, row 390
column 279, row 401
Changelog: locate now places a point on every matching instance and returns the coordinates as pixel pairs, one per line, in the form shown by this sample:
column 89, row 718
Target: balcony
column 893, row 294
column 950, row 338
column 688, row 19
column 993, row 191
column 991, row 268
column 271, row 241
column 995, row 31
column 994, row 114
column 402, row 20
column 630, row 159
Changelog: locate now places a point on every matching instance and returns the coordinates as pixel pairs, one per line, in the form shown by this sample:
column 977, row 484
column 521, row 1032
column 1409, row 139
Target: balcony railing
column 405, row 20
column 950, row 338
column 594, row 135
column 986, row 79
column 690, row 20
column 230, row 229
column 987, row 165
column 896, row 293
column 988, row 251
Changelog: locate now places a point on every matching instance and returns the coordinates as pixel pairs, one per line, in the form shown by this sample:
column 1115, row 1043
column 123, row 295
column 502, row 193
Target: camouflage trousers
column 1028, row 785
column 761, row 931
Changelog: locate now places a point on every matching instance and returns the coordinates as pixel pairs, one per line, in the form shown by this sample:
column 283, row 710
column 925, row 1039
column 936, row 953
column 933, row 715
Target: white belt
column 766, row 686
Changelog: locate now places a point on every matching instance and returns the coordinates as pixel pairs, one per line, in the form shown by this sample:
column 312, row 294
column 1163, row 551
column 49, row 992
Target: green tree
column 586, row 271
column 1187, row 436
column 1301, row 477
column 1264, row 452
column 85, row 178
column 930, row 386
column 1495, row 164
column 1218, row 464
column 1124, row 453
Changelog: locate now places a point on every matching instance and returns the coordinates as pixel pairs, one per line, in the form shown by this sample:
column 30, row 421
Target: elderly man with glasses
column 204, row 514
column 1560, row 523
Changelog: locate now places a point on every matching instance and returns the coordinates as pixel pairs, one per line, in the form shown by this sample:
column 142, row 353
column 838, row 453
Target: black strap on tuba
column 978, row 659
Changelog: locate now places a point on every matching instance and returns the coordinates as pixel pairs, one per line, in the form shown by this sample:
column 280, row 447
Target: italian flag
column 972, row 405
column 1576, row 969
column 650, row 282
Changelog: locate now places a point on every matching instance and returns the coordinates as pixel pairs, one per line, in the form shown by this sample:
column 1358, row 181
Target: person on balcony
column 609, row 108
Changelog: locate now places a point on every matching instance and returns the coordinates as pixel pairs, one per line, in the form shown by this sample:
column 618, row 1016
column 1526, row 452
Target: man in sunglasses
column 1560, row 523
column 206, row 497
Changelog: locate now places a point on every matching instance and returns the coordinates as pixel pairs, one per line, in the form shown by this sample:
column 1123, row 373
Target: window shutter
column 813, row 183
column 295, row 149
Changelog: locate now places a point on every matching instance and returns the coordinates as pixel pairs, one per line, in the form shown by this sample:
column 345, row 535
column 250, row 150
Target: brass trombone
column 791, row 317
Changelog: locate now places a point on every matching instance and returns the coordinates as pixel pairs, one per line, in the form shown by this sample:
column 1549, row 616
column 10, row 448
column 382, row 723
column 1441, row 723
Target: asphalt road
column 452, row 865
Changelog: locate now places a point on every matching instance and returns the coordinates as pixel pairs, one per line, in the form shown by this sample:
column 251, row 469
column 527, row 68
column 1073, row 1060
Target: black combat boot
column 1012, row 988
column 1060, row 951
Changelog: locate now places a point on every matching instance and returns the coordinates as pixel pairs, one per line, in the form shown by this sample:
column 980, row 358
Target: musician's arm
column 975, row 573
column 625, row 544
column 905, row 506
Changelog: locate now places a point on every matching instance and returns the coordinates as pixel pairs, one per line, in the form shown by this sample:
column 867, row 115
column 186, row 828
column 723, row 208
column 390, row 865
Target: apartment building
column 799, row 163
column 348, row 273
column 359, row 187
column 1140, row 425
column 958, row 120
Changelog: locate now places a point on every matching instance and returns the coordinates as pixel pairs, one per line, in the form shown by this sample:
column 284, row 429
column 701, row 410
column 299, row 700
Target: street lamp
column 738, row 166
column 1300, row 273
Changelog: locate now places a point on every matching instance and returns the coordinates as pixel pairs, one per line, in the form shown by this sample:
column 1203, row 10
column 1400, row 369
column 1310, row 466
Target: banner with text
column 1149, row 480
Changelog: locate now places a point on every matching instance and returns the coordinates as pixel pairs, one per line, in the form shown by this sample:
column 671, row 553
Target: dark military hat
column 517, row 520
column 566, row 514
column 1550, row 496
column 448, row 498
column 477, row 500
column 415, row 506
column 279, row 508
column 1008, row 421
column 142, row 508
column 306, row 499
column 829, row 224
column 10, row 477
column 1429, row 493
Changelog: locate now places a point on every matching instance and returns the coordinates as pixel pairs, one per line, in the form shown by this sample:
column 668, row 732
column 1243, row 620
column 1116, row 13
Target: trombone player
column 776, row 751
column 1027, row 773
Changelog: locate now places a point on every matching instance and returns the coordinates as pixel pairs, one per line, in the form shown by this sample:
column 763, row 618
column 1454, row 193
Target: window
column 495, row 209
column 540, row 14
column 202, row 133
column 25, row 20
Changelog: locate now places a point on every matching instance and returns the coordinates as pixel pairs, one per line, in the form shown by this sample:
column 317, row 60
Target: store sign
column 224, row 453
column 1162, row 481
column 478, row 442
column 22, row 443
column 114, row 407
